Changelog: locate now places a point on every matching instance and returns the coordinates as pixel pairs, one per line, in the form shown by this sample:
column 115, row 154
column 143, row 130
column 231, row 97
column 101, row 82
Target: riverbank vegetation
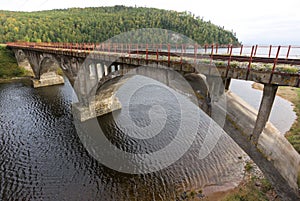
column 294, row 133
column 254, row 187
column 8, row 65
column 102, row 23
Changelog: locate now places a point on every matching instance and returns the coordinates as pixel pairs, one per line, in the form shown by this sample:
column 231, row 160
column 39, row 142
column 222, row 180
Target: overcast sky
column 254, row 21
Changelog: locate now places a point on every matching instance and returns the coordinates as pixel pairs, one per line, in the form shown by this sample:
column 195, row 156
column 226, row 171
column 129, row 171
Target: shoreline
column 15, row 79
column 253, row 182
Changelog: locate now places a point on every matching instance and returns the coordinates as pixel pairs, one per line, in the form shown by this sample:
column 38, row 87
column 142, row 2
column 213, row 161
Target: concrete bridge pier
column 226, row 82
column 22, row 60
column 44, row 67
column 100, row 70
column 216, row 87
column 265, row 108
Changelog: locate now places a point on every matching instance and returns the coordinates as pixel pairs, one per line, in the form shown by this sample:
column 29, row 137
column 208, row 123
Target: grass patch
column 8, row 65
column 254, row 190
column 293, row 135
column 248, row 166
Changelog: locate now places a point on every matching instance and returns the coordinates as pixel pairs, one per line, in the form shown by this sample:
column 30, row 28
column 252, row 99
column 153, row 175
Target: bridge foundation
column 96, row 108
column 48, row 79
column 265, row 108
column 226, row 83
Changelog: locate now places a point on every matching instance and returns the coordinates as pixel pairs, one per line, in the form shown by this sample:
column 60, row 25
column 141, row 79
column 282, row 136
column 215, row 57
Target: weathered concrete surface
column 96, row 108
column 273, row 154
column 48, row 79
column 102, row 102
column 23, row 61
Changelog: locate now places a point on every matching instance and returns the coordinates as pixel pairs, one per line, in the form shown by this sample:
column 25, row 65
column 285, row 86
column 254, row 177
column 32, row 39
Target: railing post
column 181, row 54
column 195, row 53
column 274, row 65
column 217, row 48
column 288, row 52
column 169, row 54
column 229, row 60
column 129, row 49
column 250, row 61
column 212, row 50
column 270, row 51
column 205, row 48
column 230, row 54
column 147, row 52
column 241, row 51
column 255, row 50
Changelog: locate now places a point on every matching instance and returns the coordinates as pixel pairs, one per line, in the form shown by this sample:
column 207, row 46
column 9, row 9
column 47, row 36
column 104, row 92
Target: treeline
column 8, row 64
column 101, row 23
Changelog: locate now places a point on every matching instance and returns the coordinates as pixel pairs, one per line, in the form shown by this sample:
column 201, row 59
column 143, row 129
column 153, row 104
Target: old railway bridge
column 262, row 64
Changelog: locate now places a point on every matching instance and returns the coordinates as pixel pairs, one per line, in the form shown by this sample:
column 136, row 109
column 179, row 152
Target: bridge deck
column 180, row 59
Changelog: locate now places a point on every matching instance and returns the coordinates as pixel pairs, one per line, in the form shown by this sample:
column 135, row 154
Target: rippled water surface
column 42, row 157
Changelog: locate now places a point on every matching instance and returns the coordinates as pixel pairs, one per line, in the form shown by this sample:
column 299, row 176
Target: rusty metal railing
column 255, row 53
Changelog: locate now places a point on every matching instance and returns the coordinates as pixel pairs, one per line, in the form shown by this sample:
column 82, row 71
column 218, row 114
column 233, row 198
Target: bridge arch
column 198, row 82
column 49, row 64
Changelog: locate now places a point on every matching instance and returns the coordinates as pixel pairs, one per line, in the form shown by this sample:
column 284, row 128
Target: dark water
column 42, row 157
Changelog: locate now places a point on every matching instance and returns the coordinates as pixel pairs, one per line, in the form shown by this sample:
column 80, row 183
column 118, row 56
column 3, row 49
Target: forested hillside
column 102, row 23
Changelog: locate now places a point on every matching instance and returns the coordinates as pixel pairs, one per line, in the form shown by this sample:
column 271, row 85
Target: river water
column 42, row 157
column 282, row 115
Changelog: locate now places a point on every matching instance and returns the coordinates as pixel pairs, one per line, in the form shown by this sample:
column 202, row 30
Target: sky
column 262, row 22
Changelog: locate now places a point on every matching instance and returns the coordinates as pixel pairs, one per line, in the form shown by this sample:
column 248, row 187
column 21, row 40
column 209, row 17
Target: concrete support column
column 105, row 69
column 265, row 108
column 227, row 83
column 216, row 87
column 99, row 71
column 92, row 70
column 96, row 71
column 81, row 87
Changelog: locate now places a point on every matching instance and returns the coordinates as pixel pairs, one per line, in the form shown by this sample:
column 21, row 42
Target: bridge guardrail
column 250, row 54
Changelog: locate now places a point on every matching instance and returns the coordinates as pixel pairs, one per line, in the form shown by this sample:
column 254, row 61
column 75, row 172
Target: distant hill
column 101, row 23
